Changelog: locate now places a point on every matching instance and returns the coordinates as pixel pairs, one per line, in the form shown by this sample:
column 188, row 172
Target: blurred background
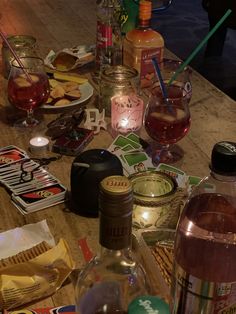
column 183, row 25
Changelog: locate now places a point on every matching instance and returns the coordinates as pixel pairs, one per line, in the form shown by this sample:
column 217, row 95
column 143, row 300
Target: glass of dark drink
column 168, row 120
column 28, row 88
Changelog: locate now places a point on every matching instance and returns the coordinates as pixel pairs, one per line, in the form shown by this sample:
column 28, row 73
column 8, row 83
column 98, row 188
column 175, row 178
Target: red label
column 147, row 72
column 104, row 35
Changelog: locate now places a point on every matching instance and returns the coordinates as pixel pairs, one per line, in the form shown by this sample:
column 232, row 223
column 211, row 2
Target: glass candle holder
column 126, row 113
column 24, row 45
column 116, row 81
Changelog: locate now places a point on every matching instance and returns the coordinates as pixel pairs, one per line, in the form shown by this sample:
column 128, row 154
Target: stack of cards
column 32, row 187
column 130, row 151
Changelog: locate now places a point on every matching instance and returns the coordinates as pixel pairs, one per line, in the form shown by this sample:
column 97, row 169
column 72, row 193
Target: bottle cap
column 223, row 158
column 116, row 196
column 148, row 304
column 116, row 207
column 145, row 10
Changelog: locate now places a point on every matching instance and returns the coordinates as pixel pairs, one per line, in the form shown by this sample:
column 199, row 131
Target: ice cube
column 163, row 116
column 22, row 82
column 180, row 114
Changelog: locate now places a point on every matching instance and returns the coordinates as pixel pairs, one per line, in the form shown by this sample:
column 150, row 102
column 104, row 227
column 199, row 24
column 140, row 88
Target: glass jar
column 24, row 45
column 157, row 200
column 116, row 81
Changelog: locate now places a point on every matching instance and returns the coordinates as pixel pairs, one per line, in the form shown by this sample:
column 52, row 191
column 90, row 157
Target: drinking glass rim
column 155, row 94
column 16, row 65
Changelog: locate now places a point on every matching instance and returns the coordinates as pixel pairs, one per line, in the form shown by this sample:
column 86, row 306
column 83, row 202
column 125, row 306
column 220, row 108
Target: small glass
column 116, row 81
column 24, row 45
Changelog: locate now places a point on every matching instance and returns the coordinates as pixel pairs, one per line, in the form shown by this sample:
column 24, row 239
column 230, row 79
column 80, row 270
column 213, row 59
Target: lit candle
column 126, row 113
column 39, row 144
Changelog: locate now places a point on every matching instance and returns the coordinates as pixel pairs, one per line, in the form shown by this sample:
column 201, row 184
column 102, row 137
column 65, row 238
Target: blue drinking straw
column 162, row 84
column 158, row 74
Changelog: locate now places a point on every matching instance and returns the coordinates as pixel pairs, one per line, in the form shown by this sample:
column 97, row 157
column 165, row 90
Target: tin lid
column 152, row 187
column 148, row 304
column 119, row 74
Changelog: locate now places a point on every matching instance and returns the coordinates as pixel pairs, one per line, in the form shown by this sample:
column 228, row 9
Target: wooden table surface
column 58, row 24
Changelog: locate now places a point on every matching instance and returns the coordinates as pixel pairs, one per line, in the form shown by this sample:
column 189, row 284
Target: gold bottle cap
column 116, row 185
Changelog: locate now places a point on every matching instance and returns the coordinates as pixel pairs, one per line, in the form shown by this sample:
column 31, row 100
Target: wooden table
column 57, row 24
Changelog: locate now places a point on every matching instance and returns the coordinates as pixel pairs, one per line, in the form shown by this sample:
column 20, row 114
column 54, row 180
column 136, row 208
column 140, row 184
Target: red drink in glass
column 25, row 94
column 167, row 123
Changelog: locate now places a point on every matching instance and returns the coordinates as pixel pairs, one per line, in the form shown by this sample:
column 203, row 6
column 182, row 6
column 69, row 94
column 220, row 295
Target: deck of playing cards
column 32, row 187
column 129, row 149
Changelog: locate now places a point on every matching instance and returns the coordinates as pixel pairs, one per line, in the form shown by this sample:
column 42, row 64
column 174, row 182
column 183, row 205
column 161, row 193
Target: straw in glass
column 15, row 55
column 199, row 47
column 162, row 84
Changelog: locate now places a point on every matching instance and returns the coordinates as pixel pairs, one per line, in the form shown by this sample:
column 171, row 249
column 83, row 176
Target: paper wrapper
column 34, row 273
column 70, row 58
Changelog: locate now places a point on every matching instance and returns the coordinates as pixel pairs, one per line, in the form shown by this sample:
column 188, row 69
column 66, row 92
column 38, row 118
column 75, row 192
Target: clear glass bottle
column 142, row 44
column 109, row 39
column 112, row 280
column 204, row 273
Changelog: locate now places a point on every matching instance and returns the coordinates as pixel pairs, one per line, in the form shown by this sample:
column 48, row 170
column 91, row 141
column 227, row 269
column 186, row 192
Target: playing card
column 11, row 156
column 33, row 188
column 40, row 198
column 135, row 161
column 121, row 141
column 180, row 176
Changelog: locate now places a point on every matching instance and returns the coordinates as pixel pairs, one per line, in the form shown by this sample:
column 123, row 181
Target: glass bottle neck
column 144, row 23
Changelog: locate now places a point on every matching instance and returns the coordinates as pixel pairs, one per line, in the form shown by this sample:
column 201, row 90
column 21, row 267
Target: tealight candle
column 39, row 144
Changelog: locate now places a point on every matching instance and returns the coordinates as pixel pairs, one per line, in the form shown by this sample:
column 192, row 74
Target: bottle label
column 104, row 35
column 192, row 295
column 141, row 60
column 147, row 73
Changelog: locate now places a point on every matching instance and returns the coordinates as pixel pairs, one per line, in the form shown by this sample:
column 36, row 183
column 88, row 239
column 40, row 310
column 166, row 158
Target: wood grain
column 61, row 23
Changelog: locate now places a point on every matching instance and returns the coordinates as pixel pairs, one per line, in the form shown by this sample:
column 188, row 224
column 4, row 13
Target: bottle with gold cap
column 110, row 281
column 142, row 44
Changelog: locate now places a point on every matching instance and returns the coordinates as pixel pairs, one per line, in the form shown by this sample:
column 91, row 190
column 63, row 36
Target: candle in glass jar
column 126, row 113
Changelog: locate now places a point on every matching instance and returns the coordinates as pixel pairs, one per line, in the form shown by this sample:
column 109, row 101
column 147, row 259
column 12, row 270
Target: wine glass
column 168, row 120
column 28, row 88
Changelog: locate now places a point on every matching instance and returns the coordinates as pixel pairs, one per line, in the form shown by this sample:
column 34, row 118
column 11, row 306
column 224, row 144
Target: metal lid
column 148, row 304
column 223, row 158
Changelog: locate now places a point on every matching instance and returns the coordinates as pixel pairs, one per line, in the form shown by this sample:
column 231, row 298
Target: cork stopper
column 145, row 10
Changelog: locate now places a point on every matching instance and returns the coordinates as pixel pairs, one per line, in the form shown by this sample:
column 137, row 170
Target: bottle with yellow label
column 142, row 44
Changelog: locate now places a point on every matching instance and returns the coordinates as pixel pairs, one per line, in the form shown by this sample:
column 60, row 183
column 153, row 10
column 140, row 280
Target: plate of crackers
column 67, row 91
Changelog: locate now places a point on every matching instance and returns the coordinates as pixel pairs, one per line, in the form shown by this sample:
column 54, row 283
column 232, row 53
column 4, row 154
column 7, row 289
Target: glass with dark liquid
column 28, row 88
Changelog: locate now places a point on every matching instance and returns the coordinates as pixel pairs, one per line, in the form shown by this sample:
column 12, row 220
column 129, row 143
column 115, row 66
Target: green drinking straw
column 199, row 47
